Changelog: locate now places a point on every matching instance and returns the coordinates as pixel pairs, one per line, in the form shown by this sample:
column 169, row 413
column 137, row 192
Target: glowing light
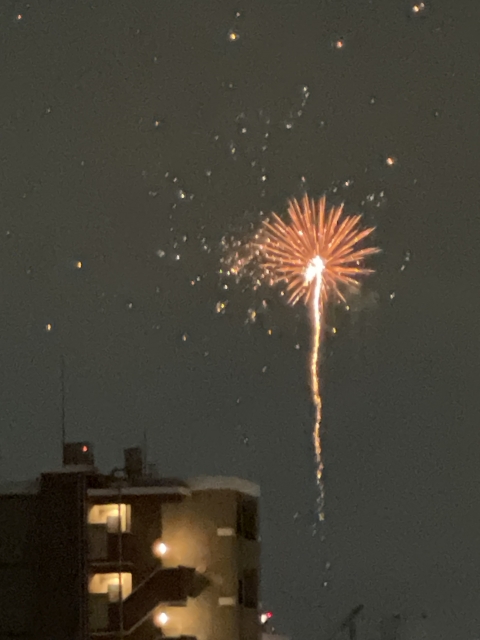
column 316, row 257
column 314, row 269
column 161, row 618
column 417, row 8
column 159, row 548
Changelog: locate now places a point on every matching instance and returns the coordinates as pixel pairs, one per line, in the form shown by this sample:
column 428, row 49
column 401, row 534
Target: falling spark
column 315, row 255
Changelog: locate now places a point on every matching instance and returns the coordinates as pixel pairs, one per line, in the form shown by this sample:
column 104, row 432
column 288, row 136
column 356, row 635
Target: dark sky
column 122, row 147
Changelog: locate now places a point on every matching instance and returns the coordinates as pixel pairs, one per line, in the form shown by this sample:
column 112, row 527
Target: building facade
column 85, row 555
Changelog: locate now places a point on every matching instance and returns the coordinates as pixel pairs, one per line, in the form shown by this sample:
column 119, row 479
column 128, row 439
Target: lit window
column 113, row 515
column 112, row 584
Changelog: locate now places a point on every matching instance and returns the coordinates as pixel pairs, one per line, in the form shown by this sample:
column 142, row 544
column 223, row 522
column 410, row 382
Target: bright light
column 314, row 269
column 161, row 618
column 159, row 549
column 265, row 616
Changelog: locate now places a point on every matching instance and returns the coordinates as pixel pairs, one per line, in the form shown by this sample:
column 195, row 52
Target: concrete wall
column 17, row 567
column 201, row 533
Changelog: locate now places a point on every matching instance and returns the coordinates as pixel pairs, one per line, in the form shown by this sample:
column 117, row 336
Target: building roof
column 74, row 468
column 205, row 483
column 201, row 483
column 144, row 490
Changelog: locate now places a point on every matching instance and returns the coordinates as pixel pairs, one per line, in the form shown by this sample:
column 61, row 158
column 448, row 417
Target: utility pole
column 119, row 481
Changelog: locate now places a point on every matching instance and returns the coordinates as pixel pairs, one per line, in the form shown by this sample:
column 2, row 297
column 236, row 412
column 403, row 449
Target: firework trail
column 316, row 256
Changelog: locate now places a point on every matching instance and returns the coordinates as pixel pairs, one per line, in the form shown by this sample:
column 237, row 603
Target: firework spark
column 316, row 256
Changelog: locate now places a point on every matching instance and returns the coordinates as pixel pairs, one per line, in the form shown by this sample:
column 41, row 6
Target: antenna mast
column 145, row 452
column 62, row 391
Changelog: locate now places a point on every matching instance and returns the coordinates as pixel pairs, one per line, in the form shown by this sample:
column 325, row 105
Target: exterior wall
column 201, row 533
column 17, row 568
column 61, row 579
column 146, row 528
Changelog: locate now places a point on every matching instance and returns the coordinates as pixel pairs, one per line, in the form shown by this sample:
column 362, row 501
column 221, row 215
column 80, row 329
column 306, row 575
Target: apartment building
column 128, row 554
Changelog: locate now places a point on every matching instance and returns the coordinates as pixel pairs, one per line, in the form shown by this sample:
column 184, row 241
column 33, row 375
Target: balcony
column 104, row 547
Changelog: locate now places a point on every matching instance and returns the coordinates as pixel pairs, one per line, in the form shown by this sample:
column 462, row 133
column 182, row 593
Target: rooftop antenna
column 62, row 391
column 144, row 451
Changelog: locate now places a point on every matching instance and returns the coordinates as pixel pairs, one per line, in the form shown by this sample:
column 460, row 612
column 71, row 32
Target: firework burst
column 317, row 256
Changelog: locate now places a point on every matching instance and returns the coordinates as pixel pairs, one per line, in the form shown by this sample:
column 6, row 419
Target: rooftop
column 161, row 486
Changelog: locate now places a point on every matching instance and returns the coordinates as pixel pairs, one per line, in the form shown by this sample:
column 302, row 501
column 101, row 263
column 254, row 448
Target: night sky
column 134, row 136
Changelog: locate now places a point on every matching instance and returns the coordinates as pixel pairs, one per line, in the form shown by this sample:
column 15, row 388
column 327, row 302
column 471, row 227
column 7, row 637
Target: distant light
column 233, row 36
column 48, row 327
column 78, row 264
column 418, row 7
column 161, row 618
column 390, row 161
column 159, row 548
column 265, row 616
column 84, row 448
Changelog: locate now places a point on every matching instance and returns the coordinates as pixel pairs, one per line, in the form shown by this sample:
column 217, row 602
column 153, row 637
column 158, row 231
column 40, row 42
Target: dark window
column 247, row 518
column 240, row 592
column 250, row 589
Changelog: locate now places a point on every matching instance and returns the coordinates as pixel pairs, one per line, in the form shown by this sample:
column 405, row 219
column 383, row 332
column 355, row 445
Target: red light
column 84, row 448
column 269, row 614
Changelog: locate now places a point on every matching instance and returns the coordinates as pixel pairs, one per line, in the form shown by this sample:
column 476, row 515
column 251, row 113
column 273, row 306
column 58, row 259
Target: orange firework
column 316, row 256
column 313, row 242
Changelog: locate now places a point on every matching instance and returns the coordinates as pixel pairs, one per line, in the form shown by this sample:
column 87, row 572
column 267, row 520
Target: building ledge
column 137, row 491
column 209, row 483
